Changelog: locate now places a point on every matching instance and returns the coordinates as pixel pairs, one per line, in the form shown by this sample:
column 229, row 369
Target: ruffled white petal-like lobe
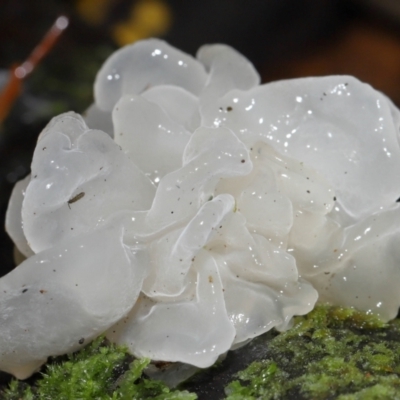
column 174, row 254
column 142, row 65
column 78, row 181
column 314, row 241
column 227, row 69
column 51, row 304
column 153, row 141
column 270, row 214
column 180, row 105
column 70, row 124
column 336, row 125
column 364, row 272
column 14, row 217
column 260, row 280
column 211, row 154
column 195, row 331
column 277, row 192
column 255, row 308
column 251, row 257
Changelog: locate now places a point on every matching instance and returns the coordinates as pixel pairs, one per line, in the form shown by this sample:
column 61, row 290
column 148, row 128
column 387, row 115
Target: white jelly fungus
column 193, row 209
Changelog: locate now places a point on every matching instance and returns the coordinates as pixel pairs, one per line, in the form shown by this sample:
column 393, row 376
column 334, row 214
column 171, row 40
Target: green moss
column 330, row 353
column 100, row 371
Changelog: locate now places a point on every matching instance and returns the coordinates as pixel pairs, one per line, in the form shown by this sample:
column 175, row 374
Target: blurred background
column 283, row 38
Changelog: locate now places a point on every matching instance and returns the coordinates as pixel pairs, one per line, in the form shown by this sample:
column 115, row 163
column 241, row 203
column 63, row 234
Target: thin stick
column 19, row 72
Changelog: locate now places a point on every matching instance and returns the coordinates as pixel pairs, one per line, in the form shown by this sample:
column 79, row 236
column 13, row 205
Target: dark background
column 283, row 38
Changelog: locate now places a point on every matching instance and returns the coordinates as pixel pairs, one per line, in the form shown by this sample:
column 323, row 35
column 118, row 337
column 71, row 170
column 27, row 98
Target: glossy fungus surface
column 193, row 209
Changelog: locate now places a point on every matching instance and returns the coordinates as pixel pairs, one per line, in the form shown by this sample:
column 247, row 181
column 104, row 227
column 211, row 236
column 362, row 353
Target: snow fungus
column 193, row 209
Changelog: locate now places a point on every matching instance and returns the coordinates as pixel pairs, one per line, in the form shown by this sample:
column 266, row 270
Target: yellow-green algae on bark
column 332, row 353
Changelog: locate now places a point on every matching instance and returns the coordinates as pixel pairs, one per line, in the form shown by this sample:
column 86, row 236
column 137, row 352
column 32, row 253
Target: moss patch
column 100, row 371
column 332, row 353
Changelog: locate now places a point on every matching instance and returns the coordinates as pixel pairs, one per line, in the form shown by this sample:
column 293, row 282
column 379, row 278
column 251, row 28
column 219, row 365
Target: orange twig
column 19, row 72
